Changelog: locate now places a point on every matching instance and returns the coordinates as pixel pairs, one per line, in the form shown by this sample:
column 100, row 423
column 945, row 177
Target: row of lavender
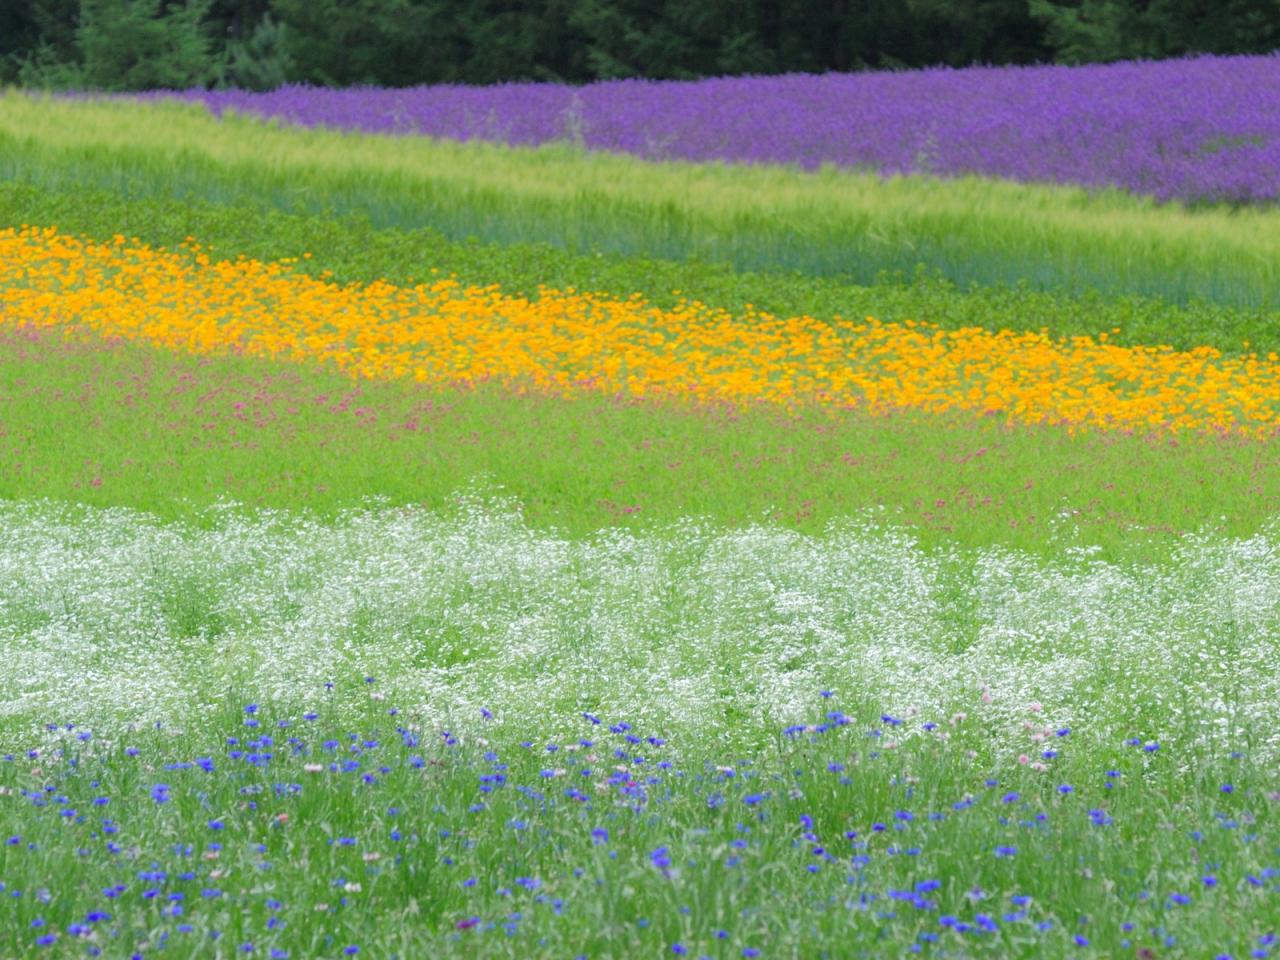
column 1197, row 130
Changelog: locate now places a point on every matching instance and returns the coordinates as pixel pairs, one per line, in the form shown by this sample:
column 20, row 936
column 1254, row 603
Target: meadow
column 471, row 543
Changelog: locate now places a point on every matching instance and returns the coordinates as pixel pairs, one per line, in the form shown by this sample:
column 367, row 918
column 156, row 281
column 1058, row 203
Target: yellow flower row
column 444, row 332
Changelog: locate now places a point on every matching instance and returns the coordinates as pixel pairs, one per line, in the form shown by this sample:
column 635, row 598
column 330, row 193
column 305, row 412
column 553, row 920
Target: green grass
column 353, row 250
column 130, row 425
column 830, row 223
column 782, row 858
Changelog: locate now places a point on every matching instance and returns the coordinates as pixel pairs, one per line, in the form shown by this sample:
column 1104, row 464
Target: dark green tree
column 144, row 45
column 390, row 42
column 260, row 61
column 36, row 34
column 1099, row 31
column 134, row 44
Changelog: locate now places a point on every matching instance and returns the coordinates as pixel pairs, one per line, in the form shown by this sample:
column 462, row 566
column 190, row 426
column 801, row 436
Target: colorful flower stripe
column 442, row 332
column 1216, row 136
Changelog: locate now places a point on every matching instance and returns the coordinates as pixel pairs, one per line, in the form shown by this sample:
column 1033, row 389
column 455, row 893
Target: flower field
column 561, row 341
column 1214, row 139
column 459, row 544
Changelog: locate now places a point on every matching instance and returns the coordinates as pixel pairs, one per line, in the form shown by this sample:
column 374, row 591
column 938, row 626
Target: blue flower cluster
column 312, row 841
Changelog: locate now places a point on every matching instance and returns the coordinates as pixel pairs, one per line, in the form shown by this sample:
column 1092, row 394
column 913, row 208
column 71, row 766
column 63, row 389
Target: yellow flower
column 569, row 341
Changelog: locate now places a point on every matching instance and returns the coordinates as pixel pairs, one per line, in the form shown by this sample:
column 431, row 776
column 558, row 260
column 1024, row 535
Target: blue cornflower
column 679, row 949
column 1227, row 788
column 1006, row 851
column 251, row 708
column 352, row 950
column 599, row 835
column 48, row 940
column 1065, row 788
column 216, row 825
column 1081, row 941
column 1011, row 797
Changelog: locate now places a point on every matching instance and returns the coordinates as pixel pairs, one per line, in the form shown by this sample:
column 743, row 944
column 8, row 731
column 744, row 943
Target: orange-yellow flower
column 565, row 340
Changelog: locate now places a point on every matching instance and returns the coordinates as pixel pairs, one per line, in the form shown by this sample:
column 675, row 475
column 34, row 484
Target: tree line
column 259, row 44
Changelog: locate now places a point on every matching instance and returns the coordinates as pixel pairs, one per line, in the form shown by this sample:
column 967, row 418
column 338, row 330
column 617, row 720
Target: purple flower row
column 1203, row 129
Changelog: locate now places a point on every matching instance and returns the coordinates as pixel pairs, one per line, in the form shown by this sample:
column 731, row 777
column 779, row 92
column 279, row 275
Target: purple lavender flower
column 1215, row 136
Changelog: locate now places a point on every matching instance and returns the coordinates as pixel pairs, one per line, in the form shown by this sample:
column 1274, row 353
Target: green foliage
column 261, row 61
column 118, row 45
column 339, row 42
column 1093, row 31
column 44, row 69
column 145, row 44
column 135, row 44
column 351, row 249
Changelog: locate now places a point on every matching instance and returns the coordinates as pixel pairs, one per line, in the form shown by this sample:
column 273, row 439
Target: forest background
column 259, row 44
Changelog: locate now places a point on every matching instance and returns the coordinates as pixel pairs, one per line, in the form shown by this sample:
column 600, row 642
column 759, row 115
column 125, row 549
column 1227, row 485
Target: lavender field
column 1196, row 130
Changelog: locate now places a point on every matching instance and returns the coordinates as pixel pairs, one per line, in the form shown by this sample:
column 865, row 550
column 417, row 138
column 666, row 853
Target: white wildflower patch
column 112, row 617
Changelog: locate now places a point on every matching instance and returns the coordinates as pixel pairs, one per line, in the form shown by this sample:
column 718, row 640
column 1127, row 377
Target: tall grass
column 828, row 223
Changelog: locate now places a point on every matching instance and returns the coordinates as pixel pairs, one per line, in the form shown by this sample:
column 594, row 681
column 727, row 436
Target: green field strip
column 352, row 249
column 170, row 433
column 829, row 223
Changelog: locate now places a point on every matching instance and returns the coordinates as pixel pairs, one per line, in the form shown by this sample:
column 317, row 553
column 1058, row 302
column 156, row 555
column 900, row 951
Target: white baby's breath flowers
column 110, row 618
